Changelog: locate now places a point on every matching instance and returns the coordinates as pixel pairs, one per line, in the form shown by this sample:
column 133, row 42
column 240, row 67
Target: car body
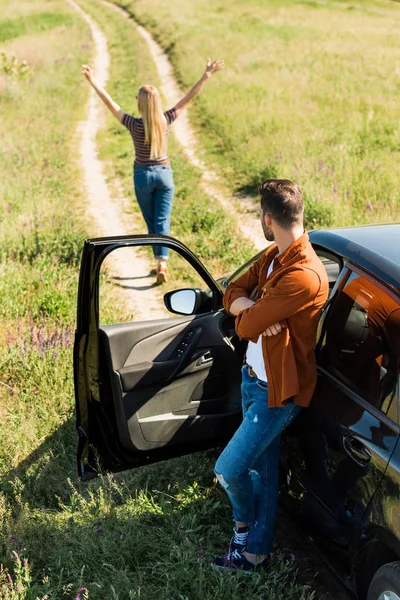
column 147, row 391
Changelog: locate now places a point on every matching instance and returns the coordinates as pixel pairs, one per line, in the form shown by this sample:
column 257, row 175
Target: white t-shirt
column 254, row 355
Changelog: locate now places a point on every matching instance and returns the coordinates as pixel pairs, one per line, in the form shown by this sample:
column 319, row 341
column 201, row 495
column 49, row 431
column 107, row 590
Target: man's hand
column 274, row 329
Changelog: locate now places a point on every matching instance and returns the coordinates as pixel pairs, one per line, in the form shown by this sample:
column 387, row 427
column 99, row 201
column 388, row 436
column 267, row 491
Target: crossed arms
column 292, row 293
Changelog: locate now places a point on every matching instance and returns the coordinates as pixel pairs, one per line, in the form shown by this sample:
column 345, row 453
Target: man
column 290, row 287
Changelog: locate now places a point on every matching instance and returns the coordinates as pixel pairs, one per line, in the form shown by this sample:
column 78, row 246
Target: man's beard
column 268, row 233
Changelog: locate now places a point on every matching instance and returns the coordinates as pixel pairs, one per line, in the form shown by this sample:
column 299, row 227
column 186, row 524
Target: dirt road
column 109, row 218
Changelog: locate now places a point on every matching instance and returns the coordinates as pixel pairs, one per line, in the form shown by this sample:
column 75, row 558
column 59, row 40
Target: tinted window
column 362, row 340
column 332, row 265
column 391, row 405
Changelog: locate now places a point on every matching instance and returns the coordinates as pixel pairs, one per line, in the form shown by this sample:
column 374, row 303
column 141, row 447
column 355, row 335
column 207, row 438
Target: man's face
column 268, row 233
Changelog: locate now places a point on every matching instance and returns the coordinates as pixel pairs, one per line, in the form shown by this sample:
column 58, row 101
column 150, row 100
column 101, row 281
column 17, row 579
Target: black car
column 150, row 390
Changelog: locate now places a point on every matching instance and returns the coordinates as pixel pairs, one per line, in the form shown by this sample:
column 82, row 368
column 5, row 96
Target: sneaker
column 239, row 539
column 235, row 562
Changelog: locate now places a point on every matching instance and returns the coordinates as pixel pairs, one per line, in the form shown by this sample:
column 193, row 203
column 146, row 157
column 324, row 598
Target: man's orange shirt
column 294, row 294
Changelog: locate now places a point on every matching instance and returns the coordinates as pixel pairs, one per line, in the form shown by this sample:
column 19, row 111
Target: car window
column 361, row 344
column 332, row 264
column 128, row 293
column 391, row 404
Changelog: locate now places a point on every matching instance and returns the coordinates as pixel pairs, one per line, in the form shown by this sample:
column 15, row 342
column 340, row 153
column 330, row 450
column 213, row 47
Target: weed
column 317, row 214
column 12, row 66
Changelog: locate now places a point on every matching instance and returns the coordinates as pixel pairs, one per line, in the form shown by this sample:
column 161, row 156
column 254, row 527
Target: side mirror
column 190, row 301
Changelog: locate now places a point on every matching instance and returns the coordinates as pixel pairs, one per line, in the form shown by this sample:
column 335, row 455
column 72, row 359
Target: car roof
column 376, row 248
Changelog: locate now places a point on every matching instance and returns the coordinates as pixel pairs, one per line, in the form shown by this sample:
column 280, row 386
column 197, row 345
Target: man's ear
column 268, row 219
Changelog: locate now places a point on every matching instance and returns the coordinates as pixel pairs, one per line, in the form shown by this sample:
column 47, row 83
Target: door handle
column 356, row 450
column 205, row 359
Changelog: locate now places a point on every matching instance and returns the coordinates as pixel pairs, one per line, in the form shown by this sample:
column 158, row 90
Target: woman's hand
column 211, row 68
column 88, row 72
column 101, row 92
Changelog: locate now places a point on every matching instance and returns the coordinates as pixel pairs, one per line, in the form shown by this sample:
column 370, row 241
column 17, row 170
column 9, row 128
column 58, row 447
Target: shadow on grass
column 41, row 477
column 148, row 534
column 149, row 531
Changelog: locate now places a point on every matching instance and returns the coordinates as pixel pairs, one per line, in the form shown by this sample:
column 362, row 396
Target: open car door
column 149, row 390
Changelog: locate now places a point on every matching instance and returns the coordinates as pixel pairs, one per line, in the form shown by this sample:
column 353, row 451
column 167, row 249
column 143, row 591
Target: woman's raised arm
column 211, row 68
column 105, row 96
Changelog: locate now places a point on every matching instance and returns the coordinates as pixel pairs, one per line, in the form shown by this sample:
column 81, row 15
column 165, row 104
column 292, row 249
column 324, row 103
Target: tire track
column 247, row 220
column 126, row 267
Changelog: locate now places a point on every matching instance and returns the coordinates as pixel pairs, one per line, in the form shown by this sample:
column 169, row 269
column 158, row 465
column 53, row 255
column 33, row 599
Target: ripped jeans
column 248, row 467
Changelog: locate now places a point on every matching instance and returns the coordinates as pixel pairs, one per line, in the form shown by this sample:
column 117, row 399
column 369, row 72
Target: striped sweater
column 142, row 150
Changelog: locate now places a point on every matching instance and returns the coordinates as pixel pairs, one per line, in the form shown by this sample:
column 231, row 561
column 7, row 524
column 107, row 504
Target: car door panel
column 149, row 390
column 160, row 401
column 131, row 343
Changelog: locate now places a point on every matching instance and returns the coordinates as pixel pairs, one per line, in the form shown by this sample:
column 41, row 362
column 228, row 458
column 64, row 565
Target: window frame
column 336, row 258
column 342, row 281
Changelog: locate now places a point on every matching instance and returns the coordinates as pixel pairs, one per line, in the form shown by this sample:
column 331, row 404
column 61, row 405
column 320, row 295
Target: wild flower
column 44, row 337
column 12, row 390
column 10, row 581
column 17, row 543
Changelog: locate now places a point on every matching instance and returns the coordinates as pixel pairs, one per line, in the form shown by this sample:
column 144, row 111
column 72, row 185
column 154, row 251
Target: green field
column 145, row 534
column 310, row 93
column 202, row 225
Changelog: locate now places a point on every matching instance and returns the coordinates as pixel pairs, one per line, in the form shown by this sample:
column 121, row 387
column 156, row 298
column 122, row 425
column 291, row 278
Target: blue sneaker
column 239, row 539
column 235, row 562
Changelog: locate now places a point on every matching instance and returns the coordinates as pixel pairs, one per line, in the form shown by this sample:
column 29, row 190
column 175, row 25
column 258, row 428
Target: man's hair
column 283, row 200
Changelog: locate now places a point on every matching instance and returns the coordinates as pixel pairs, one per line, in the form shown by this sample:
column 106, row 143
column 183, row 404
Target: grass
column 31, row 24
column 200, row 224
column 144, row 534
column 309, row 93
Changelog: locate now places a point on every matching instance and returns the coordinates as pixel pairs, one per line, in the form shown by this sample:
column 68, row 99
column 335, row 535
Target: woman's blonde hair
column 149, row 105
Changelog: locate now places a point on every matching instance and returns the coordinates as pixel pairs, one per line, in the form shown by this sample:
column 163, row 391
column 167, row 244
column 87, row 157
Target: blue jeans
column 248, row 467
column 154, row 189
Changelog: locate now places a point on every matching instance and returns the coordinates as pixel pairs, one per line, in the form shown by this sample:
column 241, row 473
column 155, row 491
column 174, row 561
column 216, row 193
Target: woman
column 152, row 175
